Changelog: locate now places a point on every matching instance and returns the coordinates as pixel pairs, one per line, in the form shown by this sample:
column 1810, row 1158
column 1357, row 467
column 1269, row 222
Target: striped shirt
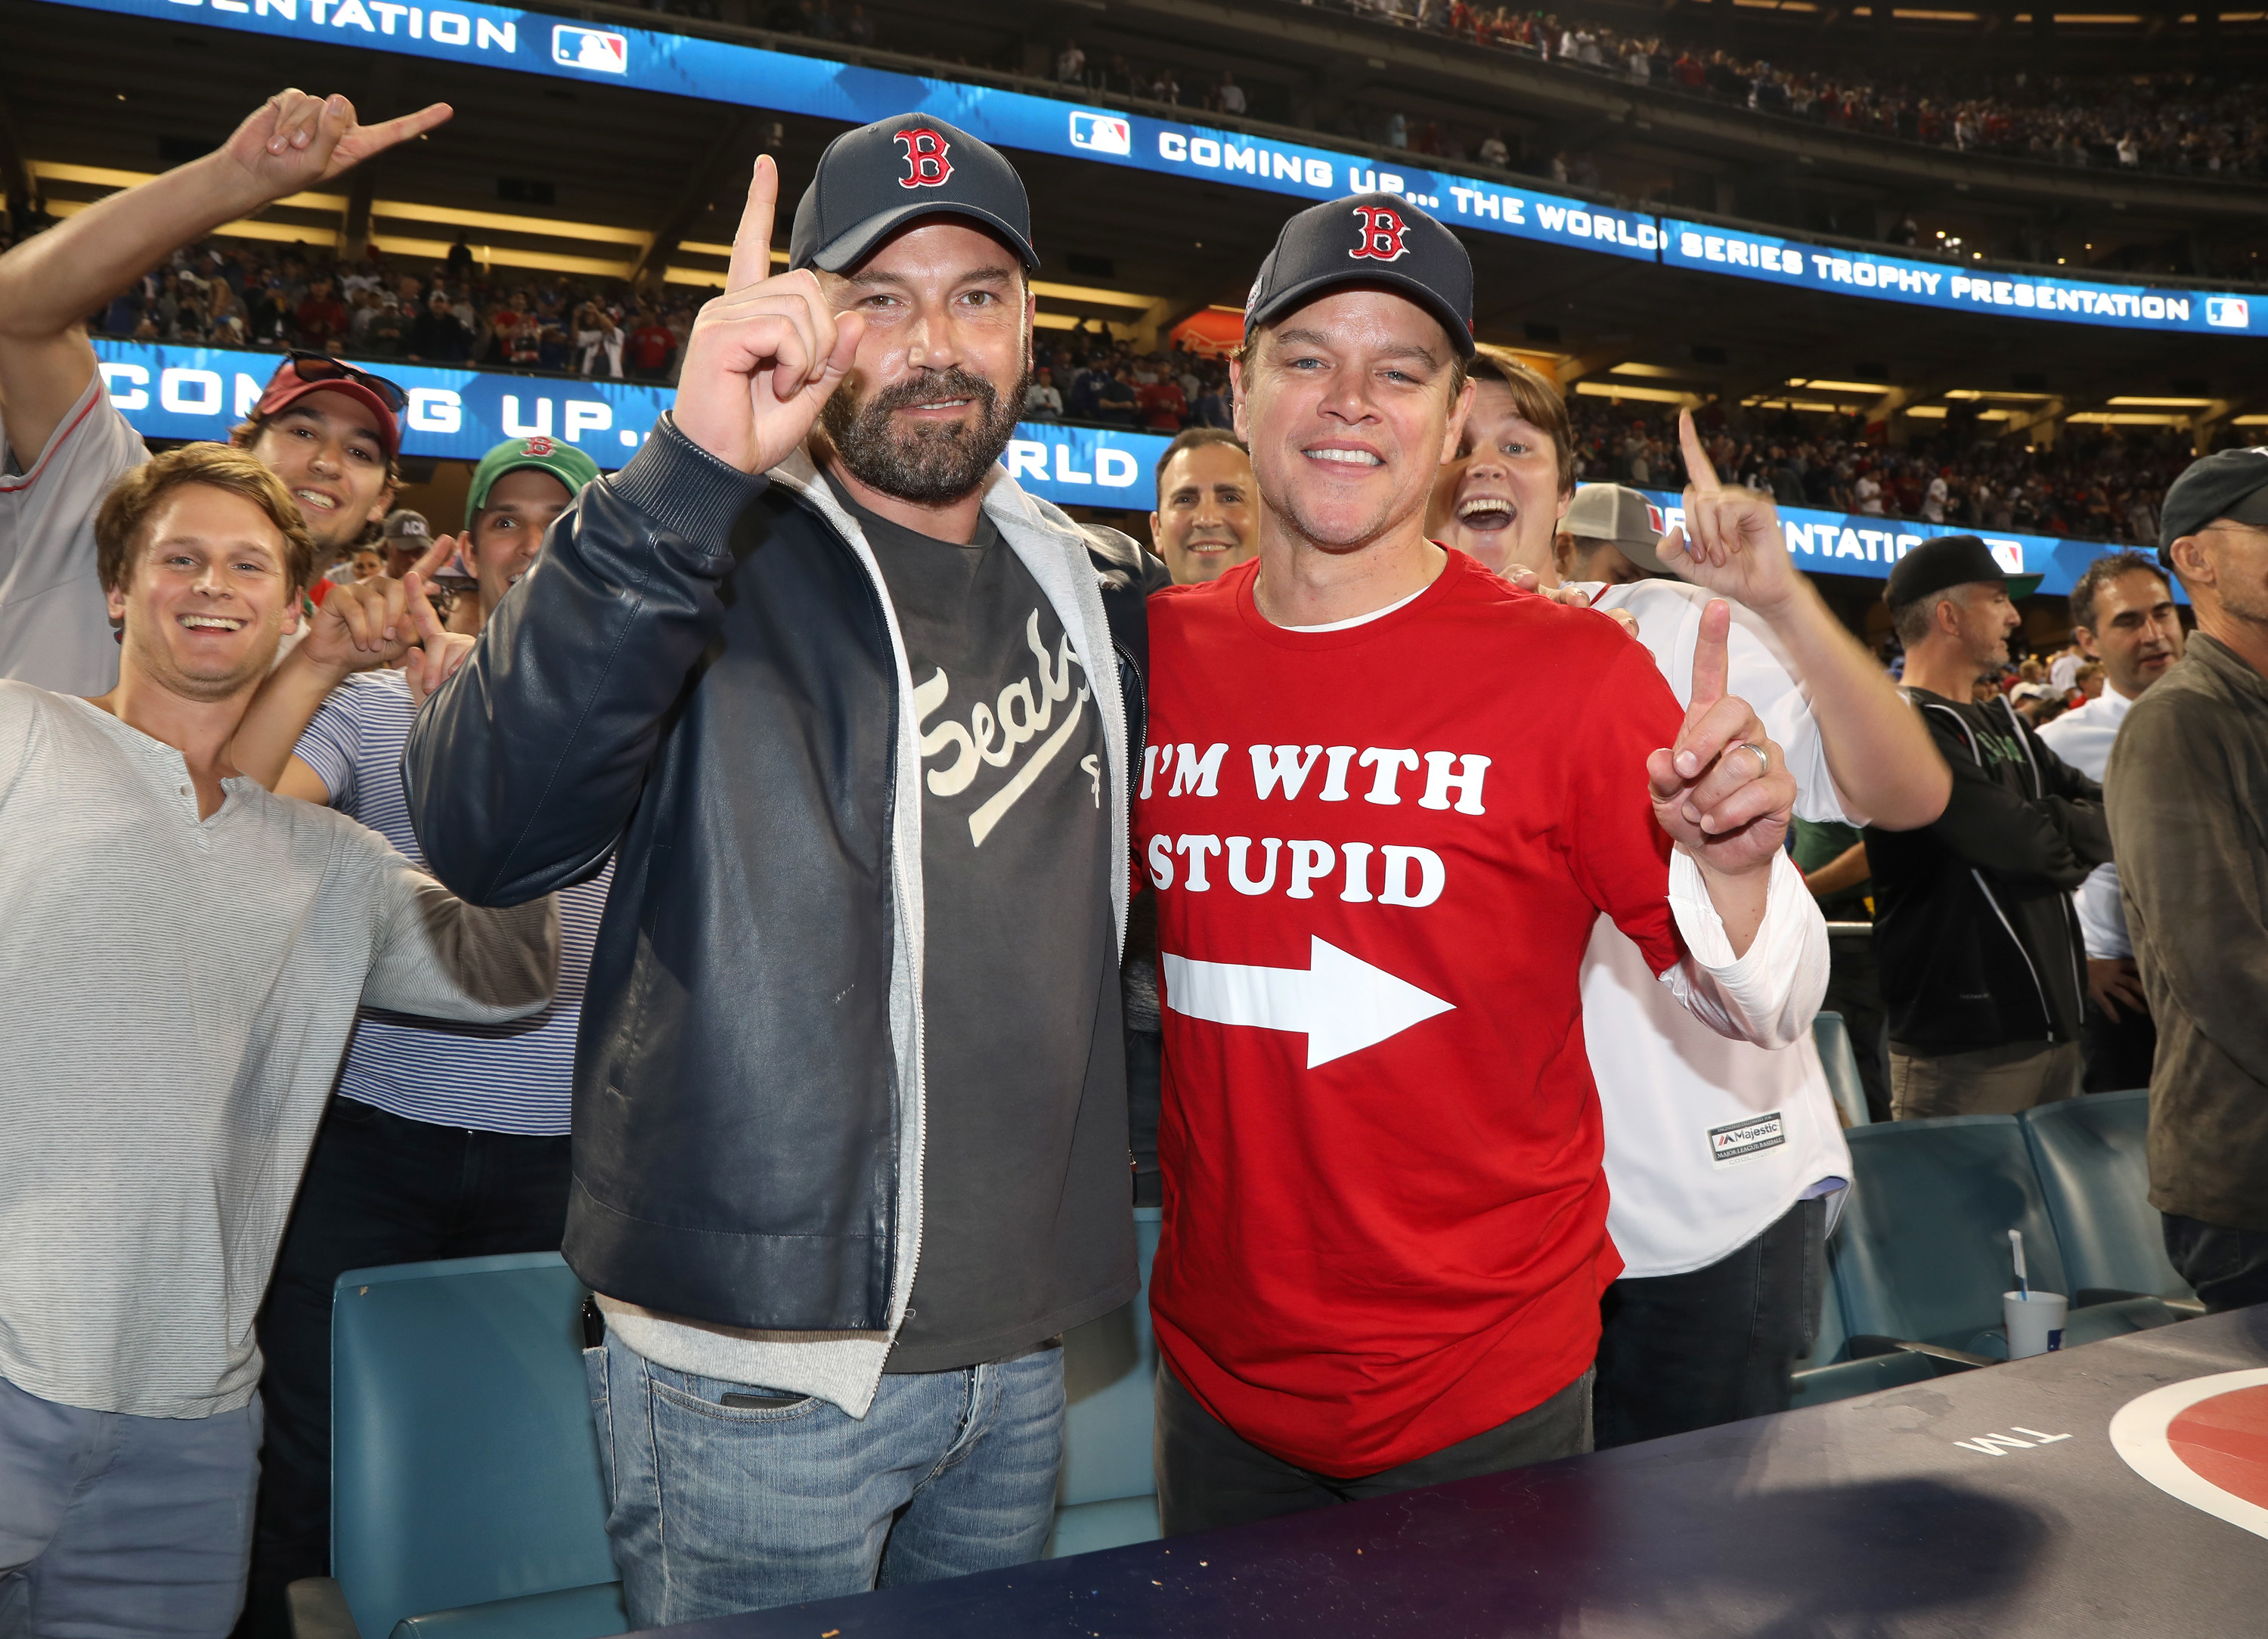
column 511, row 1077
column 179, row 990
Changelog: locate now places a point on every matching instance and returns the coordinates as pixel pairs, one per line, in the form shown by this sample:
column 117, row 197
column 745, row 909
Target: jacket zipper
column 2047, row 1012
column 898, row 868
column 2070, row 914
column 1134, row 753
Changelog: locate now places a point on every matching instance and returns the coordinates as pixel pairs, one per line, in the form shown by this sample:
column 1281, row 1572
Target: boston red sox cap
column 1368, row 239
column 874, row 179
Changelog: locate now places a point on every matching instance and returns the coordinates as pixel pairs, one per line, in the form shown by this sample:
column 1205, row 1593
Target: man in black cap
column 1385, row 1239
column 1978, row 944
column 2189, row 788
column 406, row 538
column 854, row 716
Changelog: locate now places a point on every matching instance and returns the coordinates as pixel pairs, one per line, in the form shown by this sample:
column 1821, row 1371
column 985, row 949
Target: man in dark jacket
column 2188, row 806
column 1975, row 937
column 854, row 716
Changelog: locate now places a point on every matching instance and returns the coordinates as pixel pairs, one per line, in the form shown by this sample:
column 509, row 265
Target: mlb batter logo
column 926, row 166
column 2009, row 554
column 1382, row 233
column 2205, row 1442
column 1100, row 134
column 595, row 48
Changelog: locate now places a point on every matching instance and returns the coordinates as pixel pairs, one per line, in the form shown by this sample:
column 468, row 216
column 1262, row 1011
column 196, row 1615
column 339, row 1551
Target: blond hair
column 135, row 498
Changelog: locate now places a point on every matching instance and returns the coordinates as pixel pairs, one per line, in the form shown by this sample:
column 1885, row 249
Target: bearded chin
column 929, row 465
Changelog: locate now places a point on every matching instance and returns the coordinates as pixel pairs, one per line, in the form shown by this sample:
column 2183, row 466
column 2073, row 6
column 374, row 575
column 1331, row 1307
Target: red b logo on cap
column 926, row 166
column 539, row 446
column 1382, row 231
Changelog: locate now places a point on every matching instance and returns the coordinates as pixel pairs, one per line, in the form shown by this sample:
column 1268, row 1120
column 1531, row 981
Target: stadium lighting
column 1660, row 370
column 1817, row 385
column 2146, row 403
column 1619, row 390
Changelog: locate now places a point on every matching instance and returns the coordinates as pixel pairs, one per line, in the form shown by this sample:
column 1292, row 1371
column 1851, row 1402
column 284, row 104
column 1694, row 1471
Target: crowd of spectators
column 2182, row 123
column 1089, row 376
column 256, row 293
column 2092, row 484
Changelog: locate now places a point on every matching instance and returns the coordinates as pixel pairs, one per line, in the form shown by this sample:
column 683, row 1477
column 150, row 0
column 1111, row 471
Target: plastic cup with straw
column 2034, row 1321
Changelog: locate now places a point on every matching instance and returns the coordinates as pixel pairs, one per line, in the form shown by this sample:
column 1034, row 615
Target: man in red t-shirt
column 1161, row 403
column 322, row 318
column 651, row 348
column 1385, row 1237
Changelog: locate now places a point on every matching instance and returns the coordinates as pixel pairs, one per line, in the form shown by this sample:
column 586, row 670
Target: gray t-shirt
column 178, row 992
column 1025, row 1179
column 55, row 626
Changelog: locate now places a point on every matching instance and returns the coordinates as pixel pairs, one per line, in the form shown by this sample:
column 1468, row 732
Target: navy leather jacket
column 703, row 677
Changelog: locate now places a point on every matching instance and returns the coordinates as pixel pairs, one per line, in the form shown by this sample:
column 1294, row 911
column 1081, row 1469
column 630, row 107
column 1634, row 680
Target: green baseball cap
column 564, row 461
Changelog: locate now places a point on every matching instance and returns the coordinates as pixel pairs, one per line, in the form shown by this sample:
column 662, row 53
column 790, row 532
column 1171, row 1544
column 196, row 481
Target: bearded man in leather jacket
column 853, row 715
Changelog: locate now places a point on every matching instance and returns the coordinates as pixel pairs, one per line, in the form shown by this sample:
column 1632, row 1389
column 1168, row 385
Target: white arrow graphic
column 1340, row 1002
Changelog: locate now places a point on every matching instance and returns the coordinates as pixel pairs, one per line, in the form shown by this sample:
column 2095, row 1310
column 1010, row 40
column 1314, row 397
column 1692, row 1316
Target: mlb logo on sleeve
column 595, row 48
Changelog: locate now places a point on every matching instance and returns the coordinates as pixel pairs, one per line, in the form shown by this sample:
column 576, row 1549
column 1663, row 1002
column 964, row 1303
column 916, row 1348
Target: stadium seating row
column 466, row 1498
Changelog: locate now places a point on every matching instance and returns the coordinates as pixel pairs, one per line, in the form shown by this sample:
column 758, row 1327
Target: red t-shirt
column 650, row 346
column 1371, row 1257
column 1161, row 405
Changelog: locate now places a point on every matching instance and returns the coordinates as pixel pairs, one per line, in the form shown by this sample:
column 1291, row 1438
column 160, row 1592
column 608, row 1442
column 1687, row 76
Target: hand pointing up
column 764, row 357
column 1722, row 791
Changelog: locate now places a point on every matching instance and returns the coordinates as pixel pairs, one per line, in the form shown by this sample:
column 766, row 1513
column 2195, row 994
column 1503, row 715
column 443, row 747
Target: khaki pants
column 1991, row 1081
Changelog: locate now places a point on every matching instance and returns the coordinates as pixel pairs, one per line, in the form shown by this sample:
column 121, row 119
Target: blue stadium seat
column 2090, row 1153
column 1108, row 1490
column 465, row 1490
column 1833, row 1039
column 1924, row 1251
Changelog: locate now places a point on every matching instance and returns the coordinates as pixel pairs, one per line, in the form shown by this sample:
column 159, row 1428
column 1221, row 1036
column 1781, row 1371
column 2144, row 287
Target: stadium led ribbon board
column 172, row 392
column 166, row 391
column 746, row 75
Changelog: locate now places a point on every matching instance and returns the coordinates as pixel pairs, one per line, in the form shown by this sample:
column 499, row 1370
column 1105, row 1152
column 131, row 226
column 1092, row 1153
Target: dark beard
column 929, row 466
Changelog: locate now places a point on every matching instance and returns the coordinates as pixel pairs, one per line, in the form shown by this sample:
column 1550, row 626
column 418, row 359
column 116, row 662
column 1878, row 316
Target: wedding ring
column 1762, row 756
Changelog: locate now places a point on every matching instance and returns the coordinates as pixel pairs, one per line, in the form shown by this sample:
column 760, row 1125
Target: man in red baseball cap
column 329, row 431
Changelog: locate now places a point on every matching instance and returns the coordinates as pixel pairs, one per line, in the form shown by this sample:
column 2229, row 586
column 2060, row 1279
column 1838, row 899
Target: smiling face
column 1500, row 495
column 205, row 595
column 1207, row 521
column 326, row 450
column 507, row 532
column 1349, row 405
column 934, row 394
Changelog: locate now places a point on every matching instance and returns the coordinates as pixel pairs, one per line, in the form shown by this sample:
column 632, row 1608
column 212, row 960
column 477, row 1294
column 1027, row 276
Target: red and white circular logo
column 2205, row 1441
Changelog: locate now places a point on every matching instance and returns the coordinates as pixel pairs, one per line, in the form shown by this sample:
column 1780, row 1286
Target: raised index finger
column 752, row 243
column 386, row 133
column 1700, row 472
column 436, row 559
column 1710, row 660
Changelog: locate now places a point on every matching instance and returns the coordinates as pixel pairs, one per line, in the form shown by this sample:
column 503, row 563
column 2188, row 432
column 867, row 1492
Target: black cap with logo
column 875, row 179
column 1951, row 561
column 1368, row 239
column 2228, row 483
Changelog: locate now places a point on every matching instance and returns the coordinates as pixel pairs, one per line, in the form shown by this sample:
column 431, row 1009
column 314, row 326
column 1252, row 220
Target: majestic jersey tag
column 1742, row 1141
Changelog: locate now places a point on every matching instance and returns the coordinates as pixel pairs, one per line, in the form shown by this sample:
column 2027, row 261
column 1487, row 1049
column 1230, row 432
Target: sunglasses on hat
column 312, row 367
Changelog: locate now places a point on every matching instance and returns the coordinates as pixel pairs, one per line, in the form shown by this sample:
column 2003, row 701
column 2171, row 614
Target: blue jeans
column 715, row 1508
column 113, row 1525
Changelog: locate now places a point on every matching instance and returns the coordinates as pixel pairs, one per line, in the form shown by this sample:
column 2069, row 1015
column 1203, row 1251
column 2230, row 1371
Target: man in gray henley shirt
column 181, row 955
